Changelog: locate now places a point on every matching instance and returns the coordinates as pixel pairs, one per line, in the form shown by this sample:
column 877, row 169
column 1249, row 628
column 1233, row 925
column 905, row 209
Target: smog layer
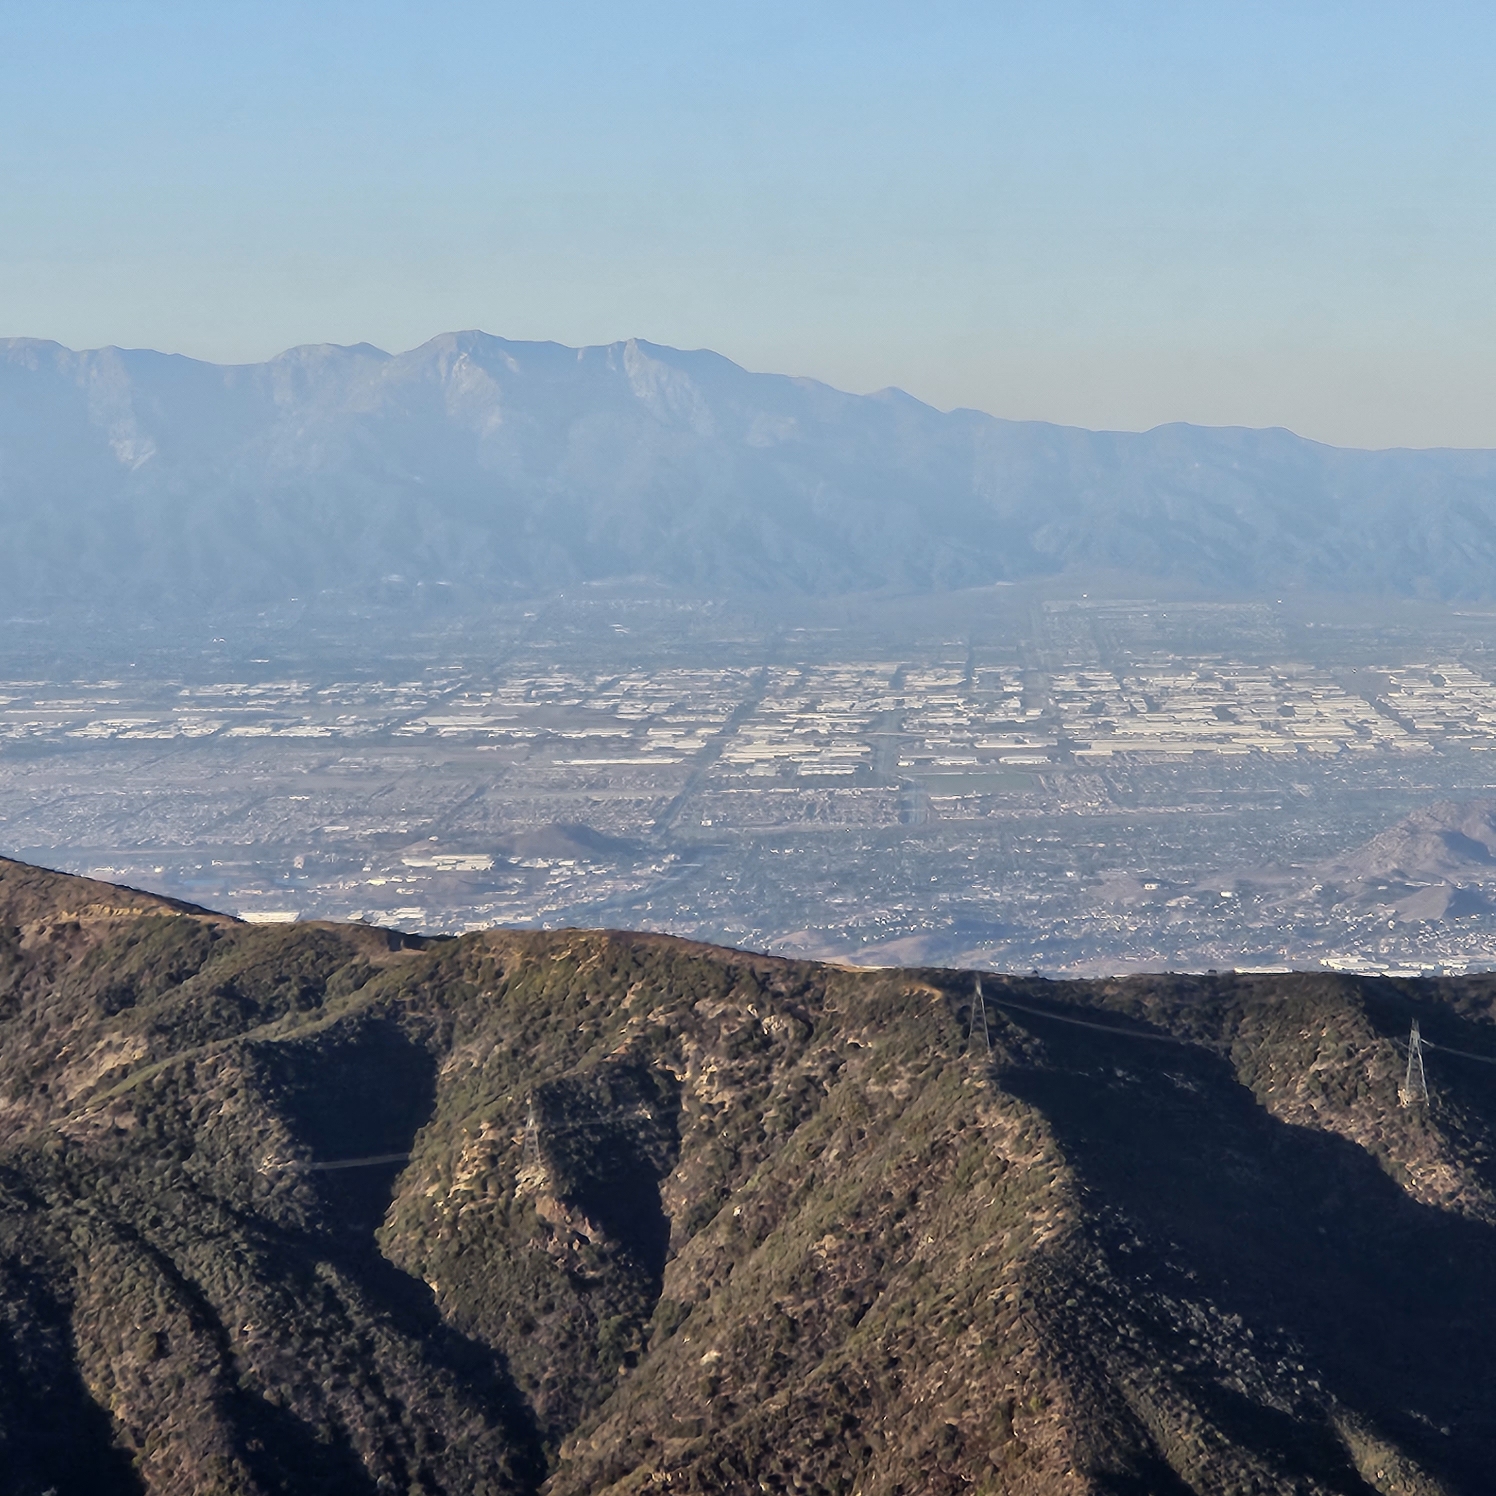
column 1000, row 778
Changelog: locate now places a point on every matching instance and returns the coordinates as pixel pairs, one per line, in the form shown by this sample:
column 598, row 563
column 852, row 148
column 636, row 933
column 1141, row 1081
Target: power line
column 1002, row 1003
column 531, row 1156
column 1464, row 1054
column 1413, row 1090
column 310, row 1166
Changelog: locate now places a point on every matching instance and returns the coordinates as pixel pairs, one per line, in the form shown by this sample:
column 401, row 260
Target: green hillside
column 622, row 1213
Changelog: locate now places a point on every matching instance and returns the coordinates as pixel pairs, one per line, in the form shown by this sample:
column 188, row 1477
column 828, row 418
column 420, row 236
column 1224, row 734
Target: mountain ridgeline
column 477, row 468
column 329, row 1209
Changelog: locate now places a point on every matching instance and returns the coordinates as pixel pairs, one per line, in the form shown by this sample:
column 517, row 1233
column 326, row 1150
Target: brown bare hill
column 331, row 1209
column 1439, row 863
column 1451, row 841
column 567, row 839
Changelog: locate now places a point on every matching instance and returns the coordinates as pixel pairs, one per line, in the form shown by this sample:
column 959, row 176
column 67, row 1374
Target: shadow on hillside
column 361, row 1091
column 53, row 1436
column 610, row 1135
column 365, row 1090
column 1394, row 1303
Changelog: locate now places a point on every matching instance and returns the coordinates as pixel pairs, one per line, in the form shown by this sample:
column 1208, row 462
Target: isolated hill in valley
column 567, row 839
column 1452, row 840
column 328, row 1209
column 1439, row 863
column 136, row 478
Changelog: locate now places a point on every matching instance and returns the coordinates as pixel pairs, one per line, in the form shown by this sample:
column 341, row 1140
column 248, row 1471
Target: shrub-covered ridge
column 617, row 1212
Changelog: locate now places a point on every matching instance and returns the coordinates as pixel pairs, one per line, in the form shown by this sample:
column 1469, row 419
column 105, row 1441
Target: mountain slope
column 321, row 1208
column 1435, row 864
column 1448, row 841
column 132, row 477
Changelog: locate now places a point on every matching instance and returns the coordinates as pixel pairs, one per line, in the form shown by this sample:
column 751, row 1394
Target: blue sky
column 1106, row 214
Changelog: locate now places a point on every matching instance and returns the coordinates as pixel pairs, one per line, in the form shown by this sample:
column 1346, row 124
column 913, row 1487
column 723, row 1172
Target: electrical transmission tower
column 530, row 1159
column 1415, row 1087
column 982, row 1005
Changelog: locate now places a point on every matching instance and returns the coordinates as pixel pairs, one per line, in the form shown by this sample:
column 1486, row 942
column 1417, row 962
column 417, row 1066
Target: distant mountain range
column 498, row 468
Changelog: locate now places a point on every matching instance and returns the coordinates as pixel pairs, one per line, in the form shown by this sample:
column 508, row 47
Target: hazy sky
column 1107, row 214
